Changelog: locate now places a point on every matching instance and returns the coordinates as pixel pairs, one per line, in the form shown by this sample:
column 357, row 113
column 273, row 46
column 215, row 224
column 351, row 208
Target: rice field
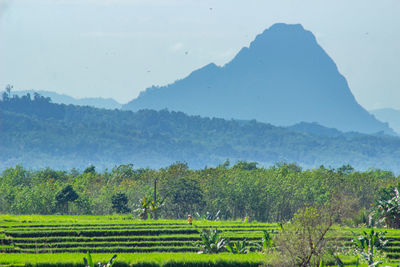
column 61, row 240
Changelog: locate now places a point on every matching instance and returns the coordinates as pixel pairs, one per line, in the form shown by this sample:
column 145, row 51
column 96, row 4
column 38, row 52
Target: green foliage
column 244, row 165
column 89, row 261
column 90, row 169
column 211, row 241
column 123, row 172
column 148, row 208
column 120, row 203
column 266, row 244
column 208, row 216
column 368, row 246
column 137, row 259
column 38, row 235
column 238, row 247
column 303, row 242
column 346, row 169
column 67, row 194
column 38, row 133
column 339, row 262
column 389, row 210
column 267, row 241
column 364, row 217
column 183, row 196
column 263, row 194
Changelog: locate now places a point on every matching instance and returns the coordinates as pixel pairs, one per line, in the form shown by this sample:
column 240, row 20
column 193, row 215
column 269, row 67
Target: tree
column 120, row 203
column 67, row 194
column 90, row 169
column 124, row 171
column 303, row 241
column 244, row 165
column 183, row 196
column 7, row 94
column 345, row 169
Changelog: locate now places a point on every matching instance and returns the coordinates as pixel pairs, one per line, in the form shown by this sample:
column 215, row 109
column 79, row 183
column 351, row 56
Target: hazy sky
column 117, row 48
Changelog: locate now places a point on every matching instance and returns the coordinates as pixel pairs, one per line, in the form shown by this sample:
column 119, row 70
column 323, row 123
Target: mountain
column 389, row 115
column 37, row 134
column 284, row 77
column 98, row 102
column 314, row 128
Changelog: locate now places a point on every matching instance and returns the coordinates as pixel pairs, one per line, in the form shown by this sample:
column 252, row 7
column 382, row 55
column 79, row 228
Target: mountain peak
column 283, row 77
column 284, row 26
column 281, row 32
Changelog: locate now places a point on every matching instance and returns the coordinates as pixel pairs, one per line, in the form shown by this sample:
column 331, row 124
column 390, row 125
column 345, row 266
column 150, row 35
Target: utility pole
column 155, row 191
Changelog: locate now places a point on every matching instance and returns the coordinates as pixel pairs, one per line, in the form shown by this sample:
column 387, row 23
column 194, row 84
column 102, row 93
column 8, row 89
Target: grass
column 112, row 220
column 62, row 240
column 157, row 259
column 31, row 234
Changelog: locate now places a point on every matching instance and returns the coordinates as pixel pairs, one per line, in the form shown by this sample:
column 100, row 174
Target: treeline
column 37, row 133
column 265, row 194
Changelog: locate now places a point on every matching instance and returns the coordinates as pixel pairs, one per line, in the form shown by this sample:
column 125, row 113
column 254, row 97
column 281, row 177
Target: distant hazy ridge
column 97, row 102
column 283, row 78
column 389, row 115
column 37, row 134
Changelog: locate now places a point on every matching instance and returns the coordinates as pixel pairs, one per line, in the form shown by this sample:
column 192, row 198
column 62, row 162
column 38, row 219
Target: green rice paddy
column 61, row 240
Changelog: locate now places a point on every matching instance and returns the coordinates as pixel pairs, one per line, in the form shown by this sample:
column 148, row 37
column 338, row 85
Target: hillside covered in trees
column 37, row 133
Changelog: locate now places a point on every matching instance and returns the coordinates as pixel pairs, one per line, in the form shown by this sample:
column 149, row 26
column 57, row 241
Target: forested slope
column 38, row 133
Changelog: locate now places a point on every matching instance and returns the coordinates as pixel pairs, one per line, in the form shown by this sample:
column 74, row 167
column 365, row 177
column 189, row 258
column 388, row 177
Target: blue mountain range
column 284, row 77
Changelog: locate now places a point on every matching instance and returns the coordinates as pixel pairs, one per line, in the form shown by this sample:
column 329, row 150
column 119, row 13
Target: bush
column 302, row 242
column 120, row 203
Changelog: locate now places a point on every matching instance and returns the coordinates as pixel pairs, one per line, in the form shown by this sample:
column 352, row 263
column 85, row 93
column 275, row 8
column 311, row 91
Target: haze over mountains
column 97, row 102
column 37, row 134
column 389, row 115
column 284, row 77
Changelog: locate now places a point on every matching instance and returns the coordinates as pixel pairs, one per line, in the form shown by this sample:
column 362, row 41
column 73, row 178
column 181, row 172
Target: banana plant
column 148, row 208
column 155, row 206
column 89, row 261
column 143, row 210
column 208, row 216
column 211, row 242
column 238, row 247
column 266, row 242
column 390, row 210
column 367, row 245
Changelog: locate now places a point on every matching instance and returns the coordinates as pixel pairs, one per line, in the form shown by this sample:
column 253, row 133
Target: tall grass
column 149, row 259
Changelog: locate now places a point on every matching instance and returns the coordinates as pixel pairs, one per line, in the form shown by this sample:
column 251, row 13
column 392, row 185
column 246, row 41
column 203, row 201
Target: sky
column 117, row 48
